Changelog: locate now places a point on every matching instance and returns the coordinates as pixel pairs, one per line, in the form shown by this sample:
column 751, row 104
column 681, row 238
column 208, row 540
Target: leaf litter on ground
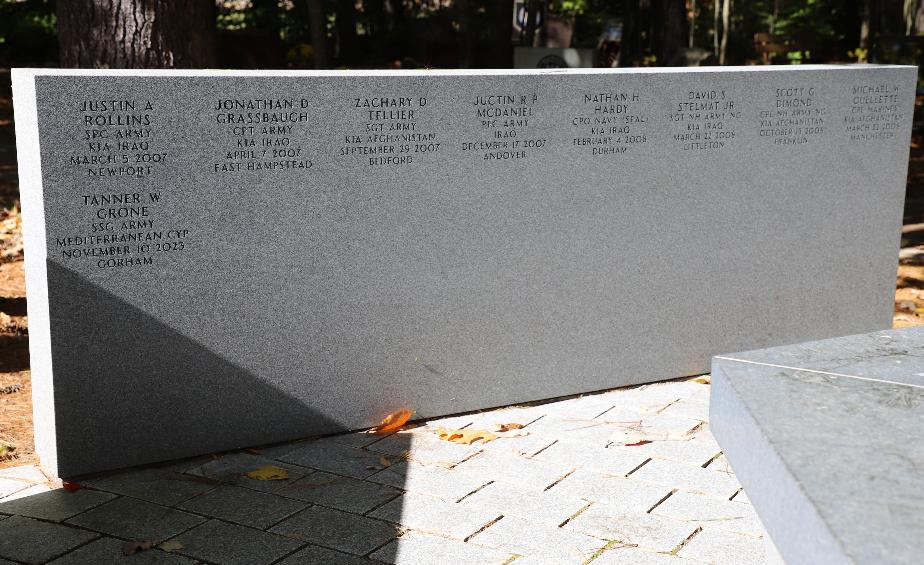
column 465, row 436
column 269, row 473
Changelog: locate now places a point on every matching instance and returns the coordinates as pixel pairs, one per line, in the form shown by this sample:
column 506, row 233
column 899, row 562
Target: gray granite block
column 830, row 458
column 647, row 531
column 30, row 473
column 595, row 457
column 135, row 519
column 421, row 549
column 424, row 446
column 315, row 555
column 27, row 492
column 504, row 467
column 108, row 551
column 334, row 457
column 436, row 516
column 165, row 486
column 549, row 507
column 629, row 555
column 230, row 544
column 548, row 544
column 697, row 450
column 687, row 477
column 432, row 254
column 434, row 480
column 342, row 493
column 338, row 530
column 10, row 486
column 33, row 541
column 232, row 469
column 243, row 506
column 728, row 548
column 710, row 512
column 629, row 494
column 55, row 505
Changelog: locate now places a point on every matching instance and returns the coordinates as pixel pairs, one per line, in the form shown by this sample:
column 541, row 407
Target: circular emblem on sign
column 552, row 62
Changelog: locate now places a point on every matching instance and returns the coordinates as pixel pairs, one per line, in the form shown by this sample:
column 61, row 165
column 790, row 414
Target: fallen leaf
column 465, row 435
column 632, row 437
column 507, row 427
column 384, row 461
column 171, row 546
column 639, row 442
column 269, row 473
column 70, row 486
column 134, row 546
column 393, row 422
column 703, row 380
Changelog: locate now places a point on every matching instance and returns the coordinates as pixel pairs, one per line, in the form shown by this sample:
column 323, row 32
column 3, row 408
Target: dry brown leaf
column 507, row 427
column 465, row 435
column 134, row 546
column 70, row 486
column 172, row 545
column 384, row 462
column 393, row 422
column 639, row 442
column 269, row 473
column 641, row 437
column 703, row 380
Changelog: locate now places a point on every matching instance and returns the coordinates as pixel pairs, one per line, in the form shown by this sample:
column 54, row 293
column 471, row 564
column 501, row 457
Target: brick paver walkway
column 565, row 488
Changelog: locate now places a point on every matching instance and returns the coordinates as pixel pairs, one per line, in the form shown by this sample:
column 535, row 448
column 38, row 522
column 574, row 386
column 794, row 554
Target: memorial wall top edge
column 25, row 73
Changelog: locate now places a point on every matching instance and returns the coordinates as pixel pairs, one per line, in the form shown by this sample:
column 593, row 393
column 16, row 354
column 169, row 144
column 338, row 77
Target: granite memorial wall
column 218, row 259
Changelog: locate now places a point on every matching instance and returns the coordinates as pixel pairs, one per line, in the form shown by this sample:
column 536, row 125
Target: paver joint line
column 642, row 464
column 484, row 527
column 660, row 502
column 696, row 532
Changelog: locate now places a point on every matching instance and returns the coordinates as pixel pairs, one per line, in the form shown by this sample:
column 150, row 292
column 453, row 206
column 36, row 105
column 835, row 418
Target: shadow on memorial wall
column 138, row 391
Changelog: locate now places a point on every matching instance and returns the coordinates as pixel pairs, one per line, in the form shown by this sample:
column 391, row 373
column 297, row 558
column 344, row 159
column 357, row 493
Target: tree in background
column 137, row 33
column 653, row 31
column 28, row 33
column 449, row 33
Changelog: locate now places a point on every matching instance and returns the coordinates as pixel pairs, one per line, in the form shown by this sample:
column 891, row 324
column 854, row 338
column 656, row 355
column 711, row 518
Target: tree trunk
column 716, row 32
column 776, row 14
column 670, row 29
column 726, row 16
column 464, row 35
column 137, row 34
column 692, row 41
column 318, row 20
column 345, row 23
column 864, row 26
column 532, row 14
column 910, row 12
column 630, row 50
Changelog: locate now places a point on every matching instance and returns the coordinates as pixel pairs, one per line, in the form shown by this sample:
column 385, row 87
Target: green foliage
column 591, row 17
column 28, row 32
column 568, row 7
column 819, row 18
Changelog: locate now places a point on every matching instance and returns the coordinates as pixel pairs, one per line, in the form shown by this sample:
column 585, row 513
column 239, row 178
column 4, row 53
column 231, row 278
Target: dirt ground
column 16, row 443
